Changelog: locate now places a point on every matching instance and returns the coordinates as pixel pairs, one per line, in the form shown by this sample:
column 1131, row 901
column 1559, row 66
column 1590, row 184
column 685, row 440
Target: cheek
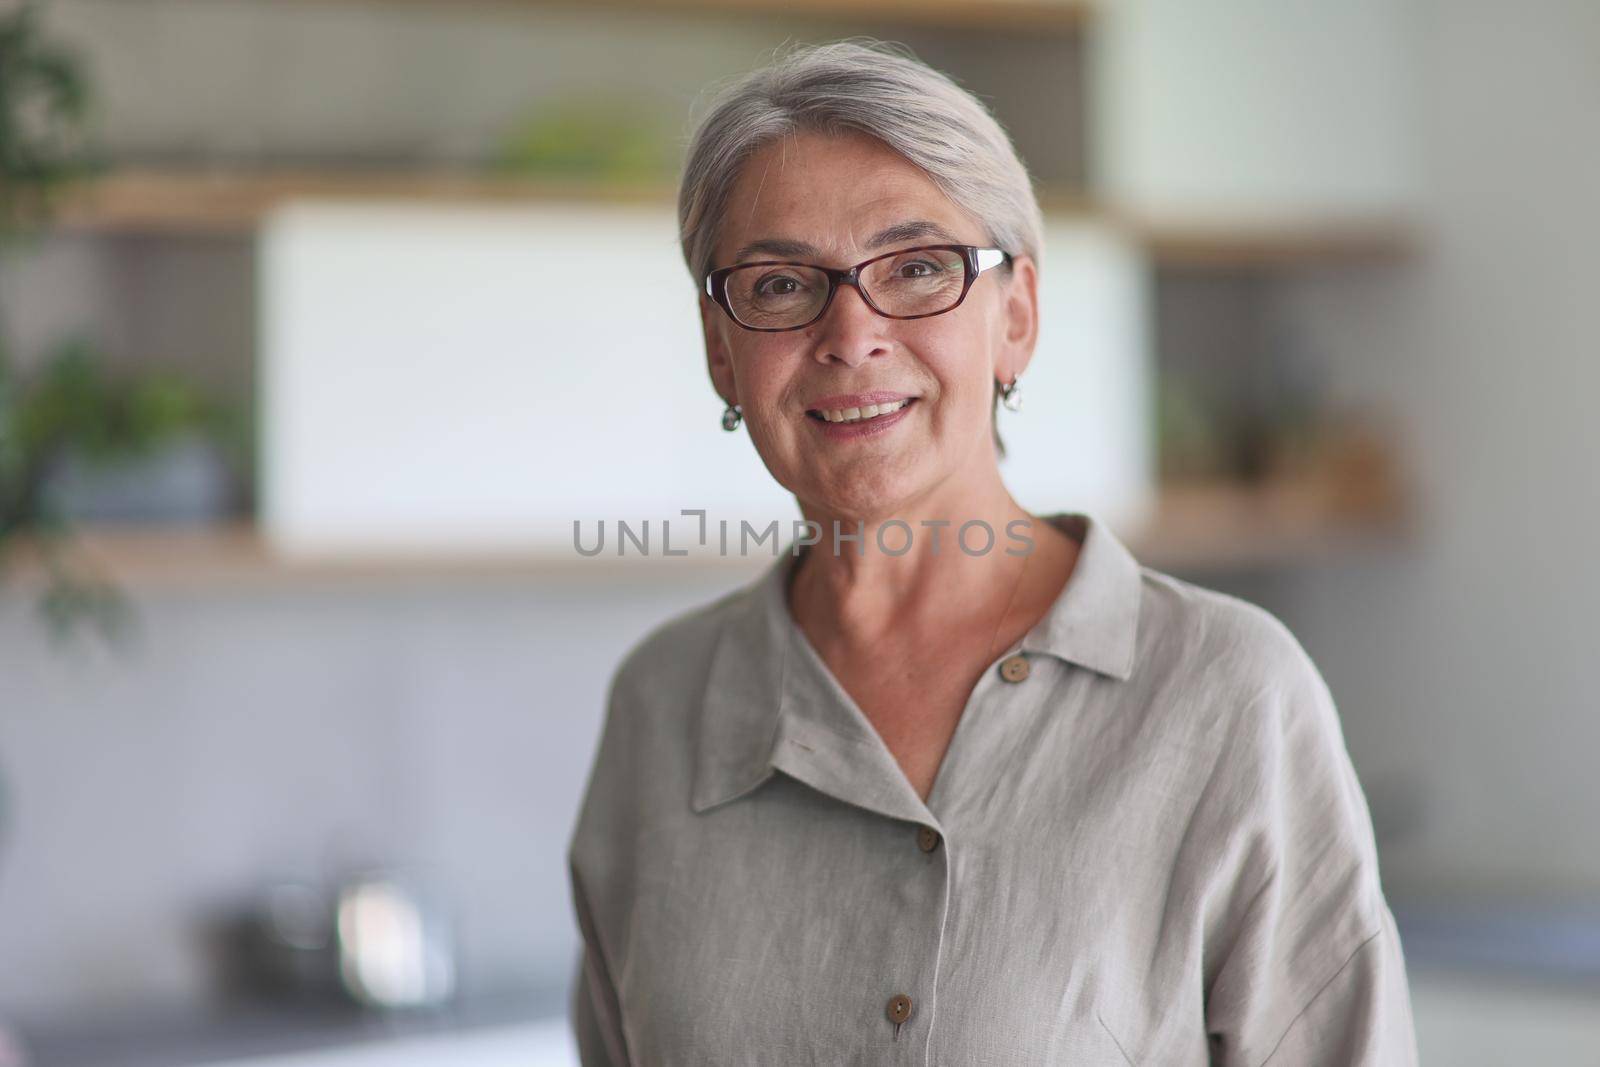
column 964, row 375
column 759, row 373
column 768, row 392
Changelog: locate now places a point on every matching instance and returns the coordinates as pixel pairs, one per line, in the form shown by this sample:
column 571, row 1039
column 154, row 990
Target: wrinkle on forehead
column 790, row 139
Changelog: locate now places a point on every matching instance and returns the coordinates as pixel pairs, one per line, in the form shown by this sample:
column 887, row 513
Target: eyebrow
column 900, row 231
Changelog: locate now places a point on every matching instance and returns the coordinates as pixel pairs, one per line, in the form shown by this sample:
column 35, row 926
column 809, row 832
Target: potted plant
column 68, row 419
column 43, row 123
column 70, row 430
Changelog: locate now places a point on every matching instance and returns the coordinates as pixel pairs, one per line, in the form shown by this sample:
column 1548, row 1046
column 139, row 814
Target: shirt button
column 899, row 1008
column 927, row 838
column 1014, row 668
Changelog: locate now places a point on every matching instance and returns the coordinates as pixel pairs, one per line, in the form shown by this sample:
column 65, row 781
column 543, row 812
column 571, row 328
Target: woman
column 907, row 799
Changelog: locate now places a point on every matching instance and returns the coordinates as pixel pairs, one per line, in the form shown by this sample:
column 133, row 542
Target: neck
column 861, row 596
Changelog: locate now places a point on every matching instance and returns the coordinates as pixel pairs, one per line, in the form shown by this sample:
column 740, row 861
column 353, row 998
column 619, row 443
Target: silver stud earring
column 731, row 417
column 1011, row 396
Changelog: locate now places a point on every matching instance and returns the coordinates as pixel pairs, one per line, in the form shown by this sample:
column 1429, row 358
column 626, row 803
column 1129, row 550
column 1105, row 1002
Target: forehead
column 831, row 195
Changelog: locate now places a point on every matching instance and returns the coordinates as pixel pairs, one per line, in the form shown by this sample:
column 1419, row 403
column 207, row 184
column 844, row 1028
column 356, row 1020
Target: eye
column 782, row 282
column 777, row 285
column 922, row 266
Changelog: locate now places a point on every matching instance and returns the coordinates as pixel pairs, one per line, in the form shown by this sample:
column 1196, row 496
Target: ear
column 1020, row 317
column 718, row 363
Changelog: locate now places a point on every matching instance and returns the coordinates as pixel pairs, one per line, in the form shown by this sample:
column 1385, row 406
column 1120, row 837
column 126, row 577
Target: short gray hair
column 874, row 87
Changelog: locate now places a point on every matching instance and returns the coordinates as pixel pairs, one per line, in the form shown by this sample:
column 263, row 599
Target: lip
column 841, row 401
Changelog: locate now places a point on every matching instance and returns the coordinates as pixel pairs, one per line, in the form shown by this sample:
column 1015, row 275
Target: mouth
column 860, row 414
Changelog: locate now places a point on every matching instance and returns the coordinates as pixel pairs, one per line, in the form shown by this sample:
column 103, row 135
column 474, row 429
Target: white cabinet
column 460, row 377
column 1252, row 109
column 477, row 376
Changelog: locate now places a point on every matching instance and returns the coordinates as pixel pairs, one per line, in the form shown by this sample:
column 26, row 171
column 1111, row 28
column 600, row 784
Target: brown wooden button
column 927, row 838
column 1014, row 668
column 899, row 1008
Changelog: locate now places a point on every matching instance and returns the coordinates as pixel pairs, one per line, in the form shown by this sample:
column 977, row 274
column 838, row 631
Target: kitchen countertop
column 1545, row 949
column 1551, row 941
column 233, row 1033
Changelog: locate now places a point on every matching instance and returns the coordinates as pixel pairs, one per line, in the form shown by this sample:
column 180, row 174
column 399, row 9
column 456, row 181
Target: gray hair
column 868, row 86
column 874, row 87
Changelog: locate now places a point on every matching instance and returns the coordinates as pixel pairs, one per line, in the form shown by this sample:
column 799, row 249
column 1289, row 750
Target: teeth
column 871, row 411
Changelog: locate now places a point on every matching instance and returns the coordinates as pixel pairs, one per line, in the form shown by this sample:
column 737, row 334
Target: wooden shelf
column 1257, row 242
column 235, row 201
column 237, row 554
column 1217, row 527
column 1035, row 16
column 1194, row 528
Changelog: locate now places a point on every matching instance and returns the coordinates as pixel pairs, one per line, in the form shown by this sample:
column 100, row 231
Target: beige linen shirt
column 1148, row 847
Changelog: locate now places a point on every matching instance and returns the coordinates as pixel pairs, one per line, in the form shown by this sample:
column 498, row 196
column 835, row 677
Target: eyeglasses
column 912, row 283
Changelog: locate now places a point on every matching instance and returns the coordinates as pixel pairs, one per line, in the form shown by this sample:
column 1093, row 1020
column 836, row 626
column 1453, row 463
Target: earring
column 731, row 417
column 1011, row 396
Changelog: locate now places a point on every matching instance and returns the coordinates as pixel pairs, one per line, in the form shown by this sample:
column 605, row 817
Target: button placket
column 900, row 1007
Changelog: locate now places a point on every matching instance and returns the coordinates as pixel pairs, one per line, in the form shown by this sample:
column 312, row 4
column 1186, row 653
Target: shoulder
column 654, row 694
column 1232, row 680
column 1220, row 647
column 642, row 753
column 676, row 652
column 1244, row 680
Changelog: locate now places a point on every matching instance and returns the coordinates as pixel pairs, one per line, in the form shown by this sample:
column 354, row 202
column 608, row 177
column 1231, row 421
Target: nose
column 850, row 332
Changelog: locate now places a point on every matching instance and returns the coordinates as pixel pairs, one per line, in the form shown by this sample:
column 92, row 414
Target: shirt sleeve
column 594, row 1011
column 1363, row 1015
column 1306, row 967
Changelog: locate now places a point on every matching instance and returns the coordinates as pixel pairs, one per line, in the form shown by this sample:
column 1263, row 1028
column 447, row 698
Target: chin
column 878, row 502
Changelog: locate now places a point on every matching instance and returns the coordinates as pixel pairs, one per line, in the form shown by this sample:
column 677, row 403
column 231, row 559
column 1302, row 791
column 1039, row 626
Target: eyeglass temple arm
column 989, row 257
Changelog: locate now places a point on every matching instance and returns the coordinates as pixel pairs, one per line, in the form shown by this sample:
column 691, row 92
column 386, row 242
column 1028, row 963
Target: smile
column 862, row 414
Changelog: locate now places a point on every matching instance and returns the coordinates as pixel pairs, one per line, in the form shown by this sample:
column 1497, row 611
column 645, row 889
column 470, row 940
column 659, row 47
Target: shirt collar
column 1095, row 620
column 770, row 704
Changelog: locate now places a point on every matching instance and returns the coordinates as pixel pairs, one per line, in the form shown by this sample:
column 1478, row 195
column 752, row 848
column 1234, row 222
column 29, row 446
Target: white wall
column 442, row 725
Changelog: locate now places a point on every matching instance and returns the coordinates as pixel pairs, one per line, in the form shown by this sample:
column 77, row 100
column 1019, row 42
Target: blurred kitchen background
column 313, row 353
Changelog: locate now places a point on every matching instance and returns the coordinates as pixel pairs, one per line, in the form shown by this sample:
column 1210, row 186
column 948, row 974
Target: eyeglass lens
column 917, row 282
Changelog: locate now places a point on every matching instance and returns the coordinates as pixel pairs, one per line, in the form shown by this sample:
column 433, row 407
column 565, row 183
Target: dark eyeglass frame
column 975, row 258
